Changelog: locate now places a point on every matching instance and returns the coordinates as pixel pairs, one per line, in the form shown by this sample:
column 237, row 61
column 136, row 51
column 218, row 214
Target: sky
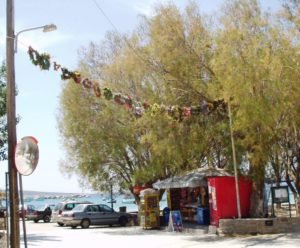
column 78, row 22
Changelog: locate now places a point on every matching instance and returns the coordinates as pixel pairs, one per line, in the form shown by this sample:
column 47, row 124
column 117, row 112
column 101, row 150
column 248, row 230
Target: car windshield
column 58, row 206
column 40, row 207
column 105, row 208
column 79, row 207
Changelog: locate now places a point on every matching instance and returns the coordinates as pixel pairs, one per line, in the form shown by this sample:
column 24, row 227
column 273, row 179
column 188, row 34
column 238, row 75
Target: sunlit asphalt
column 50, row 235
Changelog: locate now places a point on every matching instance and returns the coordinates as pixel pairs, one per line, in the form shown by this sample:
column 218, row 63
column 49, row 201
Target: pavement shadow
column 131, row 230
column 35, row 239
column 278, row 240
column 271, row 240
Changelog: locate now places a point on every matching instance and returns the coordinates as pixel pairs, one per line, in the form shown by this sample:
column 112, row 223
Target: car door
column 109, row 216
column 93, row 214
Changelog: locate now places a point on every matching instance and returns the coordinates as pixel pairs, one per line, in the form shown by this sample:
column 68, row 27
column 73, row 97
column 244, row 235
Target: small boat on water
column 128, row 200
column 111, row 201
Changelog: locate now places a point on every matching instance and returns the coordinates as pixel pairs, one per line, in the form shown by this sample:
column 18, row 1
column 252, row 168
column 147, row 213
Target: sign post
column 280, row 194
column 26, row 160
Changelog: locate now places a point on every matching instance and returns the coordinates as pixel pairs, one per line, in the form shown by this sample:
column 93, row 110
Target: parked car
column 42, row 212
column 64, row 206
column 85, row 215
column 28, row 209
column 2, row 210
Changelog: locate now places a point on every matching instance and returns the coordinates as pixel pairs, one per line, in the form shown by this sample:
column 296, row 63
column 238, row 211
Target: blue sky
column 79, row 22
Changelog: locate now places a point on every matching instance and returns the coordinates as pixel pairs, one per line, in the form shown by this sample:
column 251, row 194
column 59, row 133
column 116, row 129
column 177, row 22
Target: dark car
column 26, row 209
column 85, row 215
column 42, row 212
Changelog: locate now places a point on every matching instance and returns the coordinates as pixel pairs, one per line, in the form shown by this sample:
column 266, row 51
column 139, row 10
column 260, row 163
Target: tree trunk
column 257, row 206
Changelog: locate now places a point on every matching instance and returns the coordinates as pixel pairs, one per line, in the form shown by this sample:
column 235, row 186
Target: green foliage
column 3, row 122
column 180, row 58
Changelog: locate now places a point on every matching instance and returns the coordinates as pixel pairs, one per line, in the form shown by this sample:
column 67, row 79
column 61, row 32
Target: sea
column 121, row 201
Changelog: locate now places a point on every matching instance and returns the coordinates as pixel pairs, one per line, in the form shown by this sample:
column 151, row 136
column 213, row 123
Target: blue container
column 166, row 215
column 202, row 216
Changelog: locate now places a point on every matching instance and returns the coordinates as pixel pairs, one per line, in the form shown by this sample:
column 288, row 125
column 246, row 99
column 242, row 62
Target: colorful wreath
column 76, row 76
column 107, row 93
column 42, row 60
column 66, row 74
column 87, row 83
column 97, row 89
column 33, row 54
column 56, row 66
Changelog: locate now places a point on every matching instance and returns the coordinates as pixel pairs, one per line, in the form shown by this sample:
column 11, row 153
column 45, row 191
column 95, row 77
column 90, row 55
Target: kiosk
column 149, row 210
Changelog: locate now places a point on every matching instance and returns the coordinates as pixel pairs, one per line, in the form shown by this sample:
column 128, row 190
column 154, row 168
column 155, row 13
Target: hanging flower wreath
column 56, row 66
column 66, row 74
column 146, row 105
column 175, row 112
column 155, row 108
column 97, row 89
column 187, row 111
column 76, row 77
column 33, row 54
column 87, row 83
column 42, row 60
column 118, row 98
column 107, row 93
column 128, row 102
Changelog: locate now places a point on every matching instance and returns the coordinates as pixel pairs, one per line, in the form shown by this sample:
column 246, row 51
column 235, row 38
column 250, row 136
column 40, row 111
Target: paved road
column 49, row 235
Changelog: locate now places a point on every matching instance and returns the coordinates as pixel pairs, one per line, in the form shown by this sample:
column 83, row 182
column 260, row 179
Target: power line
column 106, row 17
column 161, row 69
column 140, row 56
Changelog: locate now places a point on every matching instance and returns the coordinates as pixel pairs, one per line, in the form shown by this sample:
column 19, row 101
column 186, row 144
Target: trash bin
column 202, row 216
column 122, row 209
column 166, row 215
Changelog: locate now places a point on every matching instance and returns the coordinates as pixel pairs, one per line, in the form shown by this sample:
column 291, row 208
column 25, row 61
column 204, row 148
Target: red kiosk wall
column 222, row 198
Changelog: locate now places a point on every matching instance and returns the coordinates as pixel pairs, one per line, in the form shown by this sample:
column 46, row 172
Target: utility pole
column 238, row 202
column 11, row 122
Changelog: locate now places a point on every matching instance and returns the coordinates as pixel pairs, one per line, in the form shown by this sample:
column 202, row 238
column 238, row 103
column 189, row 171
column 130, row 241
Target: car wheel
column 35, row 221
column 123, row 221
column 73, row 227
column 60, row 224
column 46, row 219
column 85, row 223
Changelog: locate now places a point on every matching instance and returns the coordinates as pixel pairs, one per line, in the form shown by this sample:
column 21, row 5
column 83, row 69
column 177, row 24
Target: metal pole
column 238, row 203
column 23, row 212
column 11, row 122
column 111, row 196
column 6, row 206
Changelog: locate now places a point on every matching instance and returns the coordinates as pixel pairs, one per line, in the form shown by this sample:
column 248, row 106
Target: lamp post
column 11, row 45
column 111, row 194
column 46, row 28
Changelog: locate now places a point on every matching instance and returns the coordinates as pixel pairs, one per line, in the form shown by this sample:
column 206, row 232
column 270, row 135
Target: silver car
column 63, row 207
column 85, row 215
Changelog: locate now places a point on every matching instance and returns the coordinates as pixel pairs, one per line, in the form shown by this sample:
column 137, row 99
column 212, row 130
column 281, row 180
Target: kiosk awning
column 191, row 179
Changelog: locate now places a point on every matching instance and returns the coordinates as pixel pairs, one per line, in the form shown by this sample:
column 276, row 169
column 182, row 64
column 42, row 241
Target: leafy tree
column 247, row 59
column 158, row 64
column 3, row 121
column 253, row 68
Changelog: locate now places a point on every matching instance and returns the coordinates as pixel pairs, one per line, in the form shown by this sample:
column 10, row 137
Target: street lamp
column 111, row 194
column 46, row 28
column 11, row 40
